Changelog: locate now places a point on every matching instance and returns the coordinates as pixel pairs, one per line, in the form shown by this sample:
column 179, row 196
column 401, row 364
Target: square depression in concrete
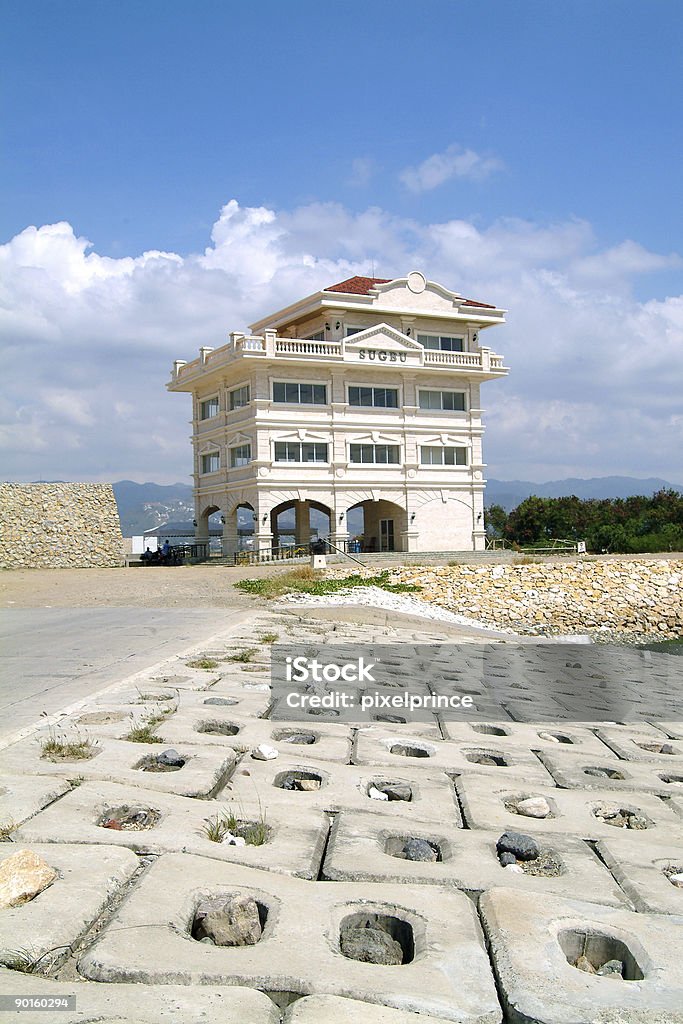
column 363, row 849
column 54, row 920
column 138, row 1004
column 294, row 845
column 445, row 970
column 532, row 943
column 205, row 771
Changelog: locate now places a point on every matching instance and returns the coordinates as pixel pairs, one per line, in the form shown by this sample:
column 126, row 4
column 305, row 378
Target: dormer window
column 442, row 342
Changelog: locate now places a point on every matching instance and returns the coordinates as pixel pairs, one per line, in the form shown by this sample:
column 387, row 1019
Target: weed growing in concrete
column 205, row 663
column 143, row 733
column 243, row 656
column 78, row 781
column 60, row 747
column 269, row 638
column 254, row 833
column 6, row 830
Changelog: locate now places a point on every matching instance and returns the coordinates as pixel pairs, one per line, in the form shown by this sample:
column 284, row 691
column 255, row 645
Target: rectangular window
column 240, row 455
column 300, row 394
column 438, row 456
column 379, row 398
column 239, row 397
column 452, row 401
column 354, row 330
column 211, row 462
column 377, row 454
column 208, row 408
column 300, row 451
column 318, row 336
column 443, row 343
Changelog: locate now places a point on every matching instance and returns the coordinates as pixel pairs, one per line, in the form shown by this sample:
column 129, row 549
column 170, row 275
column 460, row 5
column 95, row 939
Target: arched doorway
column 377, row 525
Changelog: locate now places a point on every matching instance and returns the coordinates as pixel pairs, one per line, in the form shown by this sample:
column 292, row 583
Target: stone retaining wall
column 63, row 525
column 636, row 596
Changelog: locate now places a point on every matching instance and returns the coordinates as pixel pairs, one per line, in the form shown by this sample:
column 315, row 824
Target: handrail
column 342, row 552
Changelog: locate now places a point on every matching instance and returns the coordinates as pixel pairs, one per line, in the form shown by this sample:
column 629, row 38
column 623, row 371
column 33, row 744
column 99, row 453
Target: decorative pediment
column 208, row 446
column 238, row 438
column 383, row 337
column 373, row 437
column 301, row 434
column 445, row 439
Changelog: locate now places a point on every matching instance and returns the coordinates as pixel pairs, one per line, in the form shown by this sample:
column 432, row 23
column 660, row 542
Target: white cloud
column 454, row 162
column 88, row 341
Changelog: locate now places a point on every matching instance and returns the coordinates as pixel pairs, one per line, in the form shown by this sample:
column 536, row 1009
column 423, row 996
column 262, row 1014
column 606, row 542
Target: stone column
column 302, row 528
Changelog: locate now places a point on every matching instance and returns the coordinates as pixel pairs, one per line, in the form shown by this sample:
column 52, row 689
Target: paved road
column 53, row 657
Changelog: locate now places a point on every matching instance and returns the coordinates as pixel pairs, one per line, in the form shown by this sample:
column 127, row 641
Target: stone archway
column 296, row 522
column 385, row 525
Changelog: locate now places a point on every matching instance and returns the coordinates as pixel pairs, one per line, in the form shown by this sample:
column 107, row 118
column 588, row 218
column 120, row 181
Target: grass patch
column 143, row 733
column 254, row 833
column 6, row 830
column 205, row 663
column 243, row 656
column 78, row 781
column 305, row 581
column 60, row 747
column 269, row 638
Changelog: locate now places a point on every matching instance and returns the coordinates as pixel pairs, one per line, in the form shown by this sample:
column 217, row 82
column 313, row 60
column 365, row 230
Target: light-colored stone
column 534, row 807
column 22, row 876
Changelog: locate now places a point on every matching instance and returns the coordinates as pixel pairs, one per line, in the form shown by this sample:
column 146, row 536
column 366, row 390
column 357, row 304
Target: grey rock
column 419, row 849
column 222, row 701
column 396, row 790
column 522, row 846
column 171, row 758
column 234, row 923
column 372, row 946
column 300, row 738
column 611, row 969
column 506, row 858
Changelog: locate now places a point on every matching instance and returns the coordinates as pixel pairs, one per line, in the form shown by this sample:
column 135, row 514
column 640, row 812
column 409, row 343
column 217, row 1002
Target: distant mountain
column 510, row 493
column 145, row 506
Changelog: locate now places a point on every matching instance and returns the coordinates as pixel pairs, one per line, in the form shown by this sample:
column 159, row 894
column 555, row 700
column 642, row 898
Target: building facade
column 354, row 414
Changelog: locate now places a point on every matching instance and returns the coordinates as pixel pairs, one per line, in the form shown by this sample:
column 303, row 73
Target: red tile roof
column 363, row 285
column 357, row 285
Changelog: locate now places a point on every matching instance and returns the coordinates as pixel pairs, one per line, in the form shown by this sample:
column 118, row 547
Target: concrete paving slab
column 345, row 787
column 138, row 1004
column 295, row 840
column 384, row 748
column 362, row 849
column 22, row 796
column 516, row 735
column 446, row 974
column 205, row 771
column 578, row 771
column 530, row 945
column 50, row 924
column 641, row 746
column 202, row 726
column 484, row 806
column 643, row 872
column 337, row 1010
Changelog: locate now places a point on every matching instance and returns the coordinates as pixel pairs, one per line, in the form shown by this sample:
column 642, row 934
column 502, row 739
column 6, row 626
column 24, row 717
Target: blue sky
column 530, row 149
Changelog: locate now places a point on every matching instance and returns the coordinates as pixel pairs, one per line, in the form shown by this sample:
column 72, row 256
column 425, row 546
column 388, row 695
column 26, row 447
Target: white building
column 365, row 395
